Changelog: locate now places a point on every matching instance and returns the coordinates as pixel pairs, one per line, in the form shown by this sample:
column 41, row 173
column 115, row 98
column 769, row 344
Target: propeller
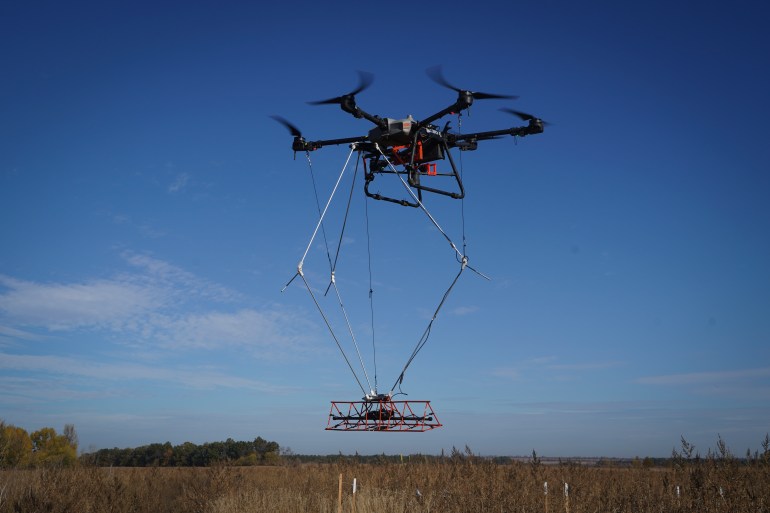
column 365, row 79
column 523, row 115
column 293, row 129
column 435, row 74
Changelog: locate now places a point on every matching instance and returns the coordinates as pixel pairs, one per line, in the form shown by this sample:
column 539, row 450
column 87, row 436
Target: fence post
column 339, row 497
column 354, row 495
column 566, row 497
column 545, row 491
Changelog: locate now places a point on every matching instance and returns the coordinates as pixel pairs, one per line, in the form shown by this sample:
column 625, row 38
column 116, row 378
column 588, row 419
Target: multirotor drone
column 410, row 147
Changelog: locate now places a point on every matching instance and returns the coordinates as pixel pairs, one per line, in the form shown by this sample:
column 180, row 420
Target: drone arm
column 348, row 104
column 462, row 103
column 377, row 120
column 534, row 127
column 301, row 144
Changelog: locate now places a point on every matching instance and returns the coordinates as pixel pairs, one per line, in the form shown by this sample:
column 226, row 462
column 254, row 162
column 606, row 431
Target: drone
column 408, row 147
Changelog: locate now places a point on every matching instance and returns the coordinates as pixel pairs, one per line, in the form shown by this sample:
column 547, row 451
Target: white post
column 566, row 497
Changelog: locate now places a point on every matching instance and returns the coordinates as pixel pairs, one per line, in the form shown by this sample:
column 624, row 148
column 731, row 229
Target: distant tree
column 267, row 452
column 50, row 449
column 15, row 446
column 71, row 435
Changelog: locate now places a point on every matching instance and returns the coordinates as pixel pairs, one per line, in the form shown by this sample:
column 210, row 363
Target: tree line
column 230, row 452
column 44, row 447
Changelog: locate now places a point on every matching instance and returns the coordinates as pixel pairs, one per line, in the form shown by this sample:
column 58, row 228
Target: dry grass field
column 457, row 484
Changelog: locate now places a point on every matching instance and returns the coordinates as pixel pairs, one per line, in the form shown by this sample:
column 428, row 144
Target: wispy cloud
column 257, row 330
column 585, row 366
column 195, row 377
column 707, row 378
column 67, row 306
column 179, row 183
column 507, row 372
column 155, row 305
column 13, row 333
column 168, row 276
column 543, row 364
column 465, row 310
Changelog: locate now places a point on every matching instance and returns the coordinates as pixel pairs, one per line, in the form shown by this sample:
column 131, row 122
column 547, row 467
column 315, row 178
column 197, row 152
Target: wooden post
column 545, row 491
column 339, row 497
column 566, row 498
column 354, row 495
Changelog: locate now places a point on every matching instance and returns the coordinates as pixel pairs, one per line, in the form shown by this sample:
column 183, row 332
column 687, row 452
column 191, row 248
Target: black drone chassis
column 413, row 145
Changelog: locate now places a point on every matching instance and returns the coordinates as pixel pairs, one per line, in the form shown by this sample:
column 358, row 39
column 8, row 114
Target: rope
column 326, row 208
column 460, row 255
column 301, row 274
column 421, row 205
column 426, row 334
column 461, row 258
column 462, row 178
column 331, row 331
column 371, row 288
column 333, row 281
column 318, row 207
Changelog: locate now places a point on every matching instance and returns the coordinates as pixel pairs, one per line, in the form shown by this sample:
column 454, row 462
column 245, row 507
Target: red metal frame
column 382, row 415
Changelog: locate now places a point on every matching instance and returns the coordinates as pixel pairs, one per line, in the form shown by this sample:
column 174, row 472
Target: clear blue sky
column 151, row 212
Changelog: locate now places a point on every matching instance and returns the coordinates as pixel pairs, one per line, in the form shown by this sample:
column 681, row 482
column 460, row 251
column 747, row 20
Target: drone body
column 410, row 147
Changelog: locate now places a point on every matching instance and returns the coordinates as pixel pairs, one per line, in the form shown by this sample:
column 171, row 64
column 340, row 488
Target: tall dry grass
column 458, row 484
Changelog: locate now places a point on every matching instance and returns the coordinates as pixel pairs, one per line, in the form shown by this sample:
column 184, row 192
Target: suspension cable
column 459, row 254
column 301, row 274
column 461, row 258
column 462, row 178
column 331, row 331
column 371, row 288
column 333, row 280
column 426, row 334
column 318, row 207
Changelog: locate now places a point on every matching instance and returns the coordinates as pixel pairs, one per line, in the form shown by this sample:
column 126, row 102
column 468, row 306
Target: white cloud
column 195, row 377
column 179, row 183
column 6, row 331
column 465, row 310
column 258, row 330
column 157, row 305
column 585, row 366
column 550, row 366
column 706, row 378
column 170, row 277
column 507, row 372
column 67, row 306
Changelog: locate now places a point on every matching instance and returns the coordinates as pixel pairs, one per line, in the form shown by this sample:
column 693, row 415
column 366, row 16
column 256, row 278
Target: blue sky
column 151, row 212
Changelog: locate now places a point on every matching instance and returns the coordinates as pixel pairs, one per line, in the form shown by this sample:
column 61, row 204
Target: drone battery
column 394, row 132
column 431, row 150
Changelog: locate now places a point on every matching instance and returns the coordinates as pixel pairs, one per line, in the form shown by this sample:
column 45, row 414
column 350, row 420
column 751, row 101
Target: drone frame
column 413, row 145
column 382, row 413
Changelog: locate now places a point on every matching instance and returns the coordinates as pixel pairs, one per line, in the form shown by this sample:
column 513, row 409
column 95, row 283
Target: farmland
column 461, row 482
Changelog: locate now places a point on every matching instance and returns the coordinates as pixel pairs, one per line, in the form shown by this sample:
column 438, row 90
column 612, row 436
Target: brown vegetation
column 462, row 482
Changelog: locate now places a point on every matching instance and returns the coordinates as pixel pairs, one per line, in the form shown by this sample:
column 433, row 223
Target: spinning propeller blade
column 365, row 79
column 293, row 129
column 435, row 74
column 523, row 115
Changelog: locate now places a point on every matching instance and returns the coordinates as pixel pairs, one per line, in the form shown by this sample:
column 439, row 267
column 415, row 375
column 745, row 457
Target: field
column 462, row 483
